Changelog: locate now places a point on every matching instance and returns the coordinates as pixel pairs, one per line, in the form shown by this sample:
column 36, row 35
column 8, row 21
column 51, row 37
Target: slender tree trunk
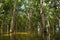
column 42, row 20
column 12, row 21
column 12, row 25
column 4, row 23
column 1, row 30
column 13, row 18
column 48, row 30
column 7, row 28
column 28, row 17
column 29, row 21
column 59, row 23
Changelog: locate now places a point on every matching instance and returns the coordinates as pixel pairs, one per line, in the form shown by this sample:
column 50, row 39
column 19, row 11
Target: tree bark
column 48, row 30
column 42, row 20
column 12, row 21
column 13, row 18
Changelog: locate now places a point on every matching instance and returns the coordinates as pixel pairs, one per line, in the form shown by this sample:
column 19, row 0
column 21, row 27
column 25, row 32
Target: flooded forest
column 29, row 19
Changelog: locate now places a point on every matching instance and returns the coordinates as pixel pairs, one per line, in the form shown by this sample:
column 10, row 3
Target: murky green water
column 20, row 37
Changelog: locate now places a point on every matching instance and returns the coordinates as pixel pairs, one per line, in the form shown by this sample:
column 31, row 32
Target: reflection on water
column 2, row 37
column 19, row 37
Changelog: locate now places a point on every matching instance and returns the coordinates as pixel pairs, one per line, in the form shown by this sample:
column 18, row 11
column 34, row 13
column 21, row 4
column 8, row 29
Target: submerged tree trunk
column 48, row 30
column 12, row 21
column 42, row 20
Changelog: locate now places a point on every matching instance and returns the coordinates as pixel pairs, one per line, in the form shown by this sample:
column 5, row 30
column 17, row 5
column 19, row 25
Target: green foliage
column 51, row 11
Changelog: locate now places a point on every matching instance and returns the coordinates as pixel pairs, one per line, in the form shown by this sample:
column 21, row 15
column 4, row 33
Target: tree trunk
column 12, row 22
column 42, row 20
column 29, row 20
column 59, row 23
column 48, row 30
column 13, row 18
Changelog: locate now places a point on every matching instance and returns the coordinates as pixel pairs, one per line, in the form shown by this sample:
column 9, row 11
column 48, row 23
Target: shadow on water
column 18, row 37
